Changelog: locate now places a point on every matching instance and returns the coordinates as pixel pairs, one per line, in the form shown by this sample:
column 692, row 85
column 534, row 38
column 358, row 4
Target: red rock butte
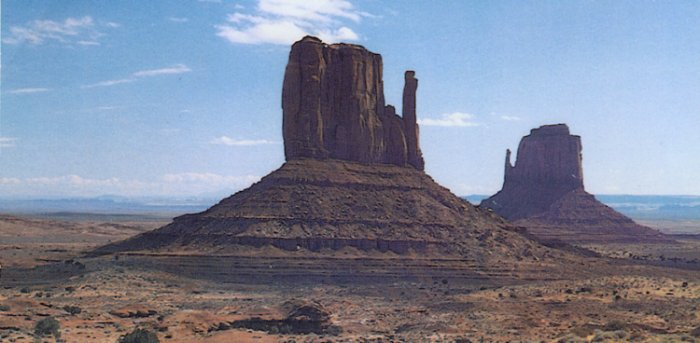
column 333, row 107
column 544, row 193
column 353, row 180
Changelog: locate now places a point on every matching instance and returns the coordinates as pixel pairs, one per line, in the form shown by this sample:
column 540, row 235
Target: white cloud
column 313, row 11
column 510, row 118
column 285, row 21
column 109, row 83
column 456, row 119
column 85, row 42
column 274, row 32
column 7, row 142
column 29, row 90
column 9, row 181
column 176, row 184
column 210, row 178
column 224, row 140
column 107, row 108
column 82, row 31
column 178, row 19
column 175, row 69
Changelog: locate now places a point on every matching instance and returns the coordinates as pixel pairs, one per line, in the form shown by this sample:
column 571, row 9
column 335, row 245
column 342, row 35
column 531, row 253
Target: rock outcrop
column 333, row 107
column 549, row 165
column 352, row 193
column 544, row 193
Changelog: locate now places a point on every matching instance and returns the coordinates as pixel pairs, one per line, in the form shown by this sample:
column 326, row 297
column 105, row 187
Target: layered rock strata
column 544, row 193
column 321, row 205
column 353, row 185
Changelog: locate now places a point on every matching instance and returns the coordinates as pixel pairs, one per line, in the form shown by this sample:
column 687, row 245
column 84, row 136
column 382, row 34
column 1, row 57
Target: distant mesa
column 544, row 193
column 353, row 180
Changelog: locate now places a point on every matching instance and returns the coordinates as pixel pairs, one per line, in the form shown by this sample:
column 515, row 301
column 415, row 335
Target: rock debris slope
column 544, row 193
column 353, row 179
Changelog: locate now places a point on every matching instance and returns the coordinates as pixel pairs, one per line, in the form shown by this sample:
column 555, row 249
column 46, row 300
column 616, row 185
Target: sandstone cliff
column 548, row 166
column 353, row 180
column 544, row 193
column 333, row 107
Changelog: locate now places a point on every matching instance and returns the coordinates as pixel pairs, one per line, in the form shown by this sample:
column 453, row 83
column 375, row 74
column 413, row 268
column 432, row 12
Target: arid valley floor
column 633, row 295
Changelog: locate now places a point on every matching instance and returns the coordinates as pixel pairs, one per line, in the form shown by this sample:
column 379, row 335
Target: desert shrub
column 602, row 336
column 584, row 290
column 615, row 325
column 139, row 336
column 571, row 338
column 334, row 330
column 695, row 332
column 72, row 309
column 47, row 326
column 4, row 308
column 24, row 290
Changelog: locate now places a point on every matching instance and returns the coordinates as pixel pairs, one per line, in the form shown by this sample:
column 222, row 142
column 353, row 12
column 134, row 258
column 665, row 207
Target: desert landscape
column 351, row 296
column 352, row 236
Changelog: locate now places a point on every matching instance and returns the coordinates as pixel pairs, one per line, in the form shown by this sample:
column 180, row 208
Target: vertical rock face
column 544, row 192
column 548, row 166
column 333, row 107
column 549, row 155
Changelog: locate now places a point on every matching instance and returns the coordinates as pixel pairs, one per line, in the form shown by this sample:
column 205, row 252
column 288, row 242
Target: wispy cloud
column 7, row 142
column 455, row 119
column 224, row 140
column 108, row 83
column 86, row 42
column 106, row 108
column 29, row 90
column 178, row 19
column 189, row 183
column 175, row 69
column 510, row 118
column 285, row 21
column 82, row 31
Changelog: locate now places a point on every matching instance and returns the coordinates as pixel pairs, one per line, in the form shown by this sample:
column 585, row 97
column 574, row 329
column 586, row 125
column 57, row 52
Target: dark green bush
column 139, row 336
column 72, row 309
column 47, row 326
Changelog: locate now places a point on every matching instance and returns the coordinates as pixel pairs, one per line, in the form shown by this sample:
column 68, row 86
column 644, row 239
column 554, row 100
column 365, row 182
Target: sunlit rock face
column 333, row 107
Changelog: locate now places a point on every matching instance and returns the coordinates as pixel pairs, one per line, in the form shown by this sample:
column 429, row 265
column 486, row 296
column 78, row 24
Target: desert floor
column 645, row 293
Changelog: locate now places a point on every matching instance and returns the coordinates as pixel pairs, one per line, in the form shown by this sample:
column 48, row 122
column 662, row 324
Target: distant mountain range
column 649, row 207
column 166, row 207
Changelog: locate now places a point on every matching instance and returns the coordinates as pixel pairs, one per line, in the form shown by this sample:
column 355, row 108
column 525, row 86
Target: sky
column 183, row 98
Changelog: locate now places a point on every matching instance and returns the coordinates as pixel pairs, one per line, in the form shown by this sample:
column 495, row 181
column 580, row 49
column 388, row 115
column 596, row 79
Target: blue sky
column 182, row 98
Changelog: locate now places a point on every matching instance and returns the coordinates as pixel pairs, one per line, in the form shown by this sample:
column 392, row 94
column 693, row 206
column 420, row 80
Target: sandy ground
column 49, row 278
